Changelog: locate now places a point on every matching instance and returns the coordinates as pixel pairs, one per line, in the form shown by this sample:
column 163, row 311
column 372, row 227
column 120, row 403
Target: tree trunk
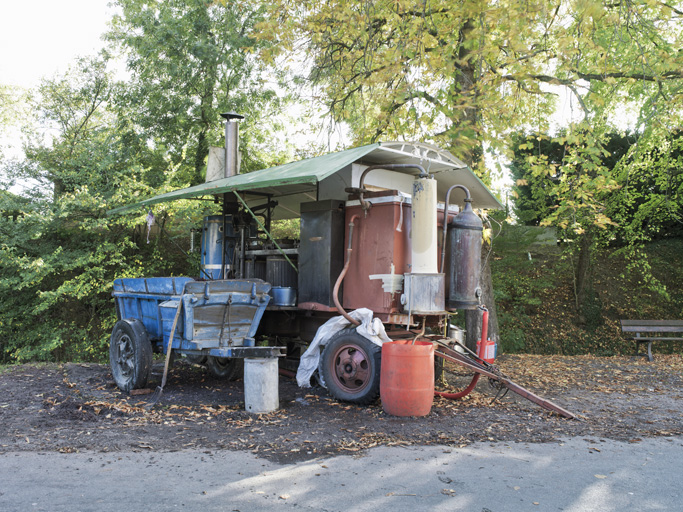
column 582, row 270
column 200, row 157
column 58, row 189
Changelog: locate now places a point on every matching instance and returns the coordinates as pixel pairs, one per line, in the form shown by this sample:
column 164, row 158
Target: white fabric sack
column 371, row 328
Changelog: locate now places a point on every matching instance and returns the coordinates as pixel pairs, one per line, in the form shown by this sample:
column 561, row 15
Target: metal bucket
column 280, row 273
column 261, row 385
column 424, row 293
column 283, row 296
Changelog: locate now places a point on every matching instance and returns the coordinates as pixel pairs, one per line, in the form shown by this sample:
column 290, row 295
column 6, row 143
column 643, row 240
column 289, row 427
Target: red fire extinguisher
column 486, row 348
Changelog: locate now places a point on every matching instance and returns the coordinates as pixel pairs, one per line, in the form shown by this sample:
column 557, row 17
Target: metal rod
column 453, row 356
column 243, row 247
column 224, row 242
column 265, row 230
column 389, row 167
column 468, row 199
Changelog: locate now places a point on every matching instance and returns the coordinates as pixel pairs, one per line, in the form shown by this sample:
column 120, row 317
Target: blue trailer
column 216, row 320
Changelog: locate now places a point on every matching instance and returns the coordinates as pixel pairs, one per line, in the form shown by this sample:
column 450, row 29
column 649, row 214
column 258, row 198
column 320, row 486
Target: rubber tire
column 193, row 359
column 345, row 342
column 130, row 354
column 230, row 368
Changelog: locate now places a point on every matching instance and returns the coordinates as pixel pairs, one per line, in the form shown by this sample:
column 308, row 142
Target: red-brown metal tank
column 380, row 239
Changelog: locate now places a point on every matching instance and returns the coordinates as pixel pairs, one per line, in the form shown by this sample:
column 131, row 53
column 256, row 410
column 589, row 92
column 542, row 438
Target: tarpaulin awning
column 296, row 182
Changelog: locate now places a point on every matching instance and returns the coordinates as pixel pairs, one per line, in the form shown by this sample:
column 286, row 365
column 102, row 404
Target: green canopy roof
column 296, row 182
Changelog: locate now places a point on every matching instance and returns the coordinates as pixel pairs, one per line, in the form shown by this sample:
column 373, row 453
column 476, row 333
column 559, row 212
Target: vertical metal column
column 230, row 207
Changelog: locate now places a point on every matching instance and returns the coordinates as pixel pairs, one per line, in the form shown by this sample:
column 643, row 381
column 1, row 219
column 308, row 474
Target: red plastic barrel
column 407, row 378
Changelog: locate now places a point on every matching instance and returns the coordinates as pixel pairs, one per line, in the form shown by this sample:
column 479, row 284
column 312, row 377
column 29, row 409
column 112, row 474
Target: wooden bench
column 647, row 331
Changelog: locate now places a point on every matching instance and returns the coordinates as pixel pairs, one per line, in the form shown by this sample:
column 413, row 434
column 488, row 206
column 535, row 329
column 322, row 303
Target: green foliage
column 287, row 228
column 539, row 163
column 535, row 298
column 649, row 204
column 519, row 286
column 57, row 265
column 532, row 191
column 59, row 251
column 191, row 61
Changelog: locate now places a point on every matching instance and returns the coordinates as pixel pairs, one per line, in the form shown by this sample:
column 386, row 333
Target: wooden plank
column 656, row 338
column 649, row 328
column 651, row 323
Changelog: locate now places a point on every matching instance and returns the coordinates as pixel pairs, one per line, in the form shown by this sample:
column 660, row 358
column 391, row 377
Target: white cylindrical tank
column 423, row 236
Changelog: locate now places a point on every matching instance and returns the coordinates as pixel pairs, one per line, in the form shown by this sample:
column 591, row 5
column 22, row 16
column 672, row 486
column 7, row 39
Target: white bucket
column 261, row 384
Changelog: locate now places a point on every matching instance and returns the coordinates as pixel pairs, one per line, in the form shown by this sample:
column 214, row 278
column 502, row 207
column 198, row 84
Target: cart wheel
column 193, row 359
column 130, row 354
column 230, row 368
column 351, row 367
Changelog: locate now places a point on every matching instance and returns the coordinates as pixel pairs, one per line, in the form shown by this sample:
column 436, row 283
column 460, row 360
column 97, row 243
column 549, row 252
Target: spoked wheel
column 230, row 368
column 351, row 367
column 130, row 354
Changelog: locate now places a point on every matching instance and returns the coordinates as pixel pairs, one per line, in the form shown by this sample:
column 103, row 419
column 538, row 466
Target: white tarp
column 371, row 328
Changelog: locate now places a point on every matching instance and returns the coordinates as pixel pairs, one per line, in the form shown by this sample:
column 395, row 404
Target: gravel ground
column 77, row 407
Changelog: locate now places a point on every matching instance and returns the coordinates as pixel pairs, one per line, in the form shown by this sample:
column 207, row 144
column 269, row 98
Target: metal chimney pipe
column 232, row 138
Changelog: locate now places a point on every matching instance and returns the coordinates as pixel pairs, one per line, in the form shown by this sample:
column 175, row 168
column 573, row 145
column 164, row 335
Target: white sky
column 39, row 38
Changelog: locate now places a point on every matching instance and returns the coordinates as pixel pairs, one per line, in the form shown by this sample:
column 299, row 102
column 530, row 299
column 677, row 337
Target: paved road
column 575, row 475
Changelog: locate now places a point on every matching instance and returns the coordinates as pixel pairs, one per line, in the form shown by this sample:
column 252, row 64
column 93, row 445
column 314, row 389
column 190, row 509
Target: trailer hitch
column 496, row 378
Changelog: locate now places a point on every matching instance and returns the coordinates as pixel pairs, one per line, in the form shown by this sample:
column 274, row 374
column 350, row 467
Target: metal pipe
column 335, row 292
column 480, row 355
column 242, row 250
column 224, row 242
column 468, row 199
column 363, row 203
column 267, row 232
column 421, row 333
column 232, row 136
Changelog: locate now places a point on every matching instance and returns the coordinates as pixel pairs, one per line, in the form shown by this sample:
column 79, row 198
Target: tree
column 59, row 251
column 190, row 61
column 72, row 107
column 649, row 204
column 534, row 192
column 564, row 181
column 463, row 74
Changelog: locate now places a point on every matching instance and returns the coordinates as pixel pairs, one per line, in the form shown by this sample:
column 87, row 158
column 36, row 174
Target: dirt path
column 76, row 407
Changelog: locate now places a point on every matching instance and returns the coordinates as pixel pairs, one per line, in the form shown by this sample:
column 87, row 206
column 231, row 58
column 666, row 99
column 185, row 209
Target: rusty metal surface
column 425, row 293
column 248, row 352
column 495, row 375
column 377, row 244
column 316, row 306
column 463, row 260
